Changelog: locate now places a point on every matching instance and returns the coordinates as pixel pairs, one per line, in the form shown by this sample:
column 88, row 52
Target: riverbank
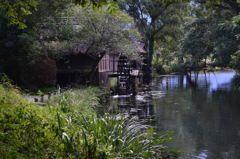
column 69, row 127
column 168, row 70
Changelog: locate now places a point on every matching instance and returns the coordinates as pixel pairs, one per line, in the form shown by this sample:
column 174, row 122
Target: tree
column 57, row 29
column 236, row 56
column 231, row 5
column 97, row 33
column 21, row 48
column 211, row 36
column 167, row 40
column 16, row 10
column 151, row 17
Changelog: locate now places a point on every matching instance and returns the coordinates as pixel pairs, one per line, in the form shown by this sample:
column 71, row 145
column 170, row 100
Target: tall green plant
column 115, row 137
column 30, row 131
column 25, row 128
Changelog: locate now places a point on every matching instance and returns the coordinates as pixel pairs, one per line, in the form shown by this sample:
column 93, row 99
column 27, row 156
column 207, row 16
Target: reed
column 115, row 137
column 69, row 127
column 82, row 100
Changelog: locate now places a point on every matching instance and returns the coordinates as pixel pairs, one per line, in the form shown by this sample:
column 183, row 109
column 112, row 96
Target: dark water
column 205, row 117
column 204, row 113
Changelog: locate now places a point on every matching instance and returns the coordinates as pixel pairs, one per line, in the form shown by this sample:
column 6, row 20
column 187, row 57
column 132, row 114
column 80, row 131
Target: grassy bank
column 69, row 127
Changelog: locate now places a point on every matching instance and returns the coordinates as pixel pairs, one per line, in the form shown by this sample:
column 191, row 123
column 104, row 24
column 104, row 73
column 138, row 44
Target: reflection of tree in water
column 236, row 82
column 217, row 112
column 206, row 122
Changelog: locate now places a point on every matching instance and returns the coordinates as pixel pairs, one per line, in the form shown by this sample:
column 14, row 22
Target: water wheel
column 124, row 73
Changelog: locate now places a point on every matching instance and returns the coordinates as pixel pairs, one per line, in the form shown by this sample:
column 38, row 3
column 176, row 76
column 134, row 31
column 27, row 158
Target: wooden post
column 49, row 95
column 42, row 98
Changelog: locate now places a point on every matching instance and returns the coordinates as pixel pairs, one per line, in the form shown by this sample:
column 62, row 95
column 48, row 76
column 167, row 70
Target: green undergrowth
column 69, row 127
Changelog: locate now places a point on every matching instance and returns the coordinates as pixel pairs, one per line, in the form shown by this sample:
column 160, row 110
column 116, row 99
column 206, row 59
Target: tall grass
column 69, row 127
column 115, row 137
column 81, row 100
column 113, row 83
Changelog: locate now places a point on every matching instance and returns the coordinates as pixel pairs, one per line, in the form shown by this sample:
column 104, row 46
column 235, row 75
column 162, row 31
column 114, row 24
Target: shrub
column 25, row 129
column 176, row 67
column 167, row 68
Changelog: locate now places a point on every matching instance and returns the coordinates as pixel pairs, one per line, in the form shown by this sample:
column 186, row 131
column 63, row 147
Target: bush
column 25, row 129
column 176, row 68
column 159, row 69
column 167, row 68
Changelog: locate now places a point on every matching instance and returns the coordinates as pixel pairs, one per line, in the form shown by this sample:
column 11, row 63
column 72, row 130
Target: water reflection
column 139, row 107
column 205, row 118
column 203, row 112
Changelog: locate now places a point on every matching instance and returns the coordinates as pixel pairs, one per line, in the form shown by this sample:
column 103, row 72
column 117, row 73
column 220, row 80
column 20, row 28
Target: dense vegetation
column 53, row 34
column 37, row 33
column 177, row 34
column 69, row 127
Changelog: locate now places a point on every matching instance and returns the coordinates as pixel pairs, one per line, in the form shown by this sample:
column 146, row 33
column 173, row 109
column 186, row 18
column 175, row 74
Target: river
column 203, row 114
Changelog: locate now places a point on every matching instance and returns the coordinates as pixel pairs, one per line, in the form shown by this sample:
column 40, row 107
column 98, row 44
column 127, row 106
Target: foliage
column 82, row 99
column 236, row 81
column 167, row 69
column 53, row 32
column 70, row 128
column 152, row 17
column 113, row 85
column 236, row 56
column 94, row 34
column 16, row 11
column 176, row 67
column 114, row 137
column 236, row 60
column 20, row 49
column 210, row 37
column 231, row 5
column 24, row 128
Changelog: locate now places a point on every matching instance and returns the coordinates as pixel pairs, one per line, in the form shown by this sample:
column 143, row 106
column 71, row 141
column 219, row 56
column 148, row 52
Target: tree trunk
column 150, row 49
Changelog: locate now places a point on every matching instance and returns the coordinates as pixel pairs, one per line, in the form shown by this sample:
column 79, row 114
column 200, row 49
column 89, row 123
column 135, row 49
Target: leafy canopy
column 211, row 37
column 152, row 17
column 16, row 10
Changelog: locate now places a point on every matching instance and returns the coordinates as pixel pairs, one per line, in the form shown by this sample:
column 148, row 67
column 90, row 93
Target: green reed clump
column 82, row 100
column 69, row 127
column 112, row 137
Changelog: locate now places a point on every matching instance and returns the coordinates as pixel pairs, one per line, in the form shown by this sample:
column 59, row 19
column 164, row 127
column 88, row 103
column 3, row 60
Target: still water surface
column 203, row 114
column 205, row 117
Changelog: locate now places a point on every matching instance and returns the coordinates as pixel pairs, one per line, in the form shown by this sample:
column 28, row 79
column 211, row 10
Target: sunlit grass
column 69, row 127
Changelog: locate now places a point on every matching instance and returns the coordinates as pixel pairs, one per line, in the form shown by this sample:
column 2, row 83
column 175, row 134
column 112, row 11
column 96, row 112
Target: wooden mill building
column 110, row 66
